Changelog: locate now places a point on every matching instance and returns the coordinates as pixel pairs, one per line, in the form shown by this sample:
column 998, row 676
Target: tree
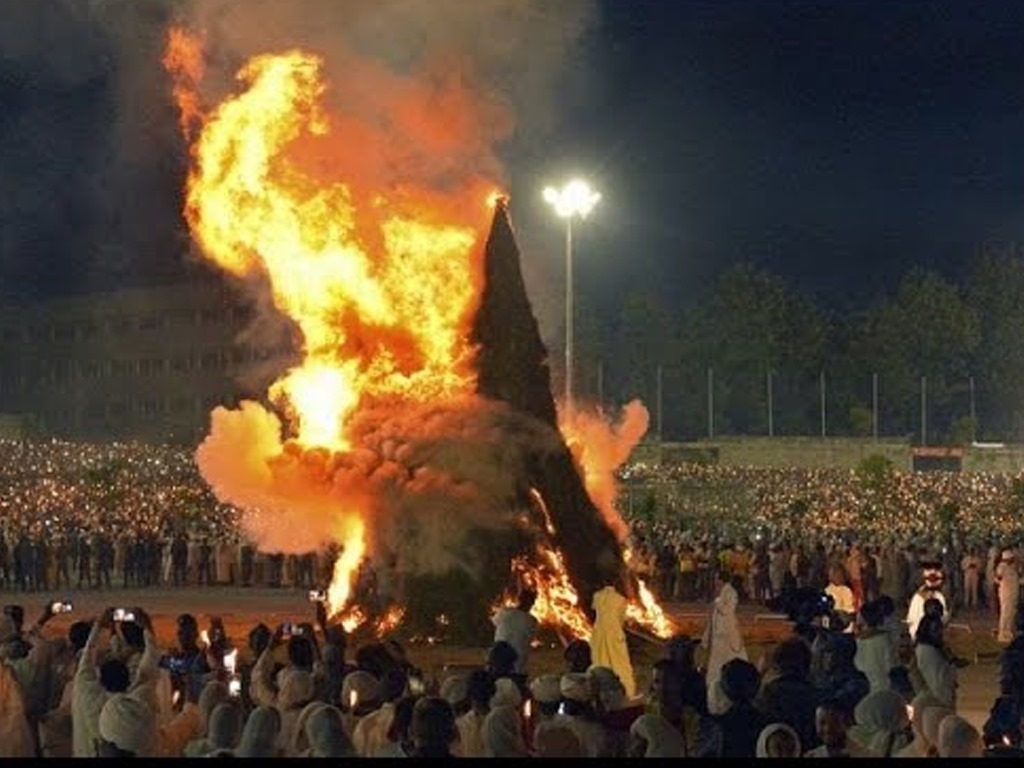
column 925, row 330
column 752, row 324
column 995, row 293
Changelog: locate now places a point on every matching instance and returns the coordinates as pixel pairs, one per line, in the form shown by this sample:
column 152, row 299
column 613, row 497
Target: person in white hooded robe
column 1008, row 581
column 723, row 642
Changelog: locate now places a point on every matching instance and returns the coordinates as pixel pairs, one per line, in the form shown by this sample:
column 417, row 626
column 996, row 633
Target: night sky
column 833, row 143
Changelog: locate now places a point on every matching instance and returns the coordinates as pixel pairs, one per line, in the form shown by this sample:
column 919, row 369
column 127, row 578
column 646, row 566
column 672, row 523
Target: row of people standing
column 71, row 560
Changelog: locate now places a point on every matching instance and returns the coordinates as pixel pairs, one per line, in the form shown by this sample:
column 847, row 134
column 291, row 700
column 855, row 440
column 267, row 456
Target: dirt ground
column 241, row 609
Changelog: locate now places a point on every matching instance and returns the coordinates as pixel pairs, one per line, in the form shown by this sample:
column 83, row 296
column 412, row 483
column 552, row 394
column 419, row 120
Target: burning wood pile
column 418, row 434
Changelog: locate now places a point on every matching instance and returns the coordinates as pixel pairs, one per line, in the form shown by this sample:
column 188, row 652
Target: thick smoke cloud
column 93, row 164
column 423, row 477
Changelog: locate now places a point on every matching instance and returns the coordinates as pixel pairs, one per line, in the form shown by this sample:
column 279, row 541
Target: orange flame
column 183, row 60
column 379, row 274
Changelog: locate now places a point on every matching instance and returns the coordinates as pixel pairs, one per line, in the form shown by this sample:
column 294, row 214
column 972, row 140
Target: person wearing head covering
column 880, row 725
column 935, row 663
column 398, row 743
column 127, row 727
column 608, row 641
column 260, row 735
column 324, row 732
column 214, row 693
column 931, row 588
column 297, row 689
column 958, row 738
column 546, row 695
column 653, row 736
column 502, row 733
column 874, row 652
column 433, row 730
column 723, row 641
column 223, row 731
column 615, row 713
column 580, row 714
column 778, row 740
column 455, row 690
column 371, row 732
column 300, row 744
column 1008, row 581
column 919, row 745
column 481, row 691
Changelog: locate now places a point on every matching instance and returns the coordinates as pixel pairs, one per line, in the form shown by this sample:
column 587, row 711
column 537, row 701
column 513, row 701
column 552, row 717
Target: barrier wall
column 816, row 452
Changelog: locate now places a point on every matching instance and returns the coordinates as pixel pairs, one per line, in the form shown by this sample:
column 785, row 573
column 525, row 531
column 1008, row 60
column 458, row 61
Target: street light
column 574, row 199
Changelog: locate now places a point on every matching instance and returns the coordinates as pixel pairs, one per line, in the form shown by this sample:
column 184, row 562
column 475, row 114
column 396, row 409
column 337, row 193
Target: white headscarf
column 770, row 730
column 661, row 738
column 326, row 734
column 881, row 718
column 502, row 733
column 259, row 737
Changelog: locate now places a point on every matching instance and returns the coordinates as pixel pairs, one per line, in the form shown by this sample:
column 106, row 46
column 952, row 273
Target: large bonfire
column 418, row 435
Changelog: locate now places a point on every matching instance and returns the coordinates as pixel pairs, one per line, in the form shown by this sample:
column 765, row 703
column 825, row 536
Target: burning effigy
column 418, row 436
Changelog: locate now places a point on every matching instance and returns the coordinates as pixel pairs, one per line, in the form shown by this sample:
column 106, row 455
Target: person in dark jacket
column 741, row 723
column 788, row 695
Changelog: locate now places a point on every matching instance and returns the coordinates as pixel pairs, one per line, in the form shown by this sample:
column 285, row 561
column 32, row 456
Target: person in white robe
column 1008, row 580
column 723, row 642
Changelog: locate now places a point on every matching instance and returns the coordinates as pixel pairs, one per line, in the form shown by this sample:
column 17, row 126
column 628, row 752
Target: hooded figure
column 259, row 737
column 958, row 738
column 880, row 724
column 1008, row 580
column 128, row 725
column 371, row 733
column 214, row 694
column 223, row 731
column 654, row 736
column 296, row 691
column 920, row 746
column 502, row 733
column 778, row 740
column 324, row 731
column 608, row 642
column 724, row 643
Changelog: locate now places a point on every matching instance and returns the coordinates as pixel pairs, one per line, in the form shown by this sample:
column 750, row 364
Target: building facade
column 141, row 364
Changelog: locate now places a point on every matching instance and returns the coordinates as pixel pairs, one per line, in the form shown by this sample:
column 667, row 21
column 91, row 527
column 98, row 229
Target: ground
column 241, row 609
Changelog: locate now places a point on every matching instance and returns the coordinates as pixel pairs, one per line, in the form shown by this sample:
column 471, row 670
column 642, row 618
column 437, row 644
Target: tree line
column 954, row 347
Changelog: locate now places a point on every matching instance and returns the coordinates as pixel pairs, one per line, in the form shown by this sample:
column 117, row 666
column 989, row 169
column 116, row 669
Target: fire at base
column 416, row 435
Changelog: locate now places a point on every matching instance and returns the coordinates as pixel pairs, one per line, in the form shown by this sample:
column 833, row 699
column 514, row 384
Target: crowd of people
column 843, row 684
column 870, row 568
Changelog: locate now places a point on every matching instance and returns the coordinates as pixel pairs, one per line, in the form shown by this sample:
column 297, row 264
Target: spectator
column 518, row 627
column 788, row 696
column 778, row 740
column 741, row 723
column 261, row 734
column 831, row 721
column 433, row 729
column 958, row 738
column 880, row 725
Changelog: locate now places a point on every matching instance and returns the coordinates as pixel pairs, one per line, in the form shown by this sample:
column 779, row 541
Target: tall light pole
column 574, row 199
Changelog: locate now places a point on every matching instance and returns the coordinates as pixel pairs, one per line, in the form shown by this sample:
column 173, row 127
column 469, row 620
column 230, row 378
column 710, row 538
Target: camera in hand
column 123, row 614
column 65, row 606
column 318, row 595
column 803, row 605
column 176, row 665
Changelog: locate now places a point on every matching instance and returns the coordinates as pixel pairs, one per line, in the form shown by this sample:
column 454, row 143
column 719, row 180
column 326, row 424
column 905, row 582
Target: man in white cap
column 931, row 588
column 127, row 728
column 1008, row 583
column 580, row 716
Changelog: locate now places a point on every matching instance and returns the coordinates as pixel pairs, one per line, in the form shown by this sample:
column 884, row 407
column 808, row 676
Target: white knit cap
column 128, row 724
